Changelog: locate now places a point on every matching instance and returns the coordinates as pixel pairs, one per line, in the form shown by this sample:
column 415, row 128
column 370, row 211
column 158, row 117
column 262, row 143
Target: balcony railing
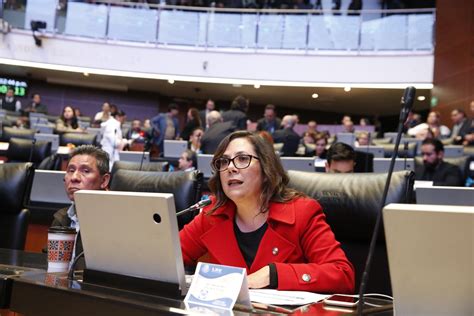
column 242, row 29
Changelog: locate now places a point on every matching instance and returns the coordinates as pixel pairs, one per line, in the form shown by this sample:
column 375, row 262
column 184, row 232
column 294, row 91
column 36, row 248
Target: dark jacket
column 214, row 135
column 465, row 129
column 189, row 128
column 271, row 127
column 238, row 118
column 445, row 174
column 289, row 138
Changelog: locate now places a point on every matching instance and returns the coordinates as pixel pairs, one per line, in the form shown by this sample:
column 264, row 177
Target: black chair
column 15, row 186
column 23, row 150
column 184, row 185
column 364, row 161
column 463, row 163
column 351, row 203
column 52, row 162
column 9, row 132
column 77, row 139
column 146, row 166
column 408, row 151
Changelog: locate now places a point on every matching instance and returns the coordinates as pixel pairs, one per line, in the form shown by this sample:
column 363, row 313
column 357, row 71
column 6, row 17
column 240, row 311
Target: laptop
column 131, row 233
column 377, row 151
column 453, row 151
column 52, row 138
column 48, row 187
column 346, row 138
column 430, row 254
column 204, row 164
column 462, row 196
column 134, row 156
column 174, row 148
column 298, row 163
column 381, row 165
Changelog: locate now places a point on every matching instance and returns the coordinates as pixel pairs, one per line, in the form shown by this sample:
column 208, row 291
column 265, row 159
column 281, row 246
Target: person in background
column 187, row 161
column 434, row 168
column 77, row 112
column 36, row 105
column 312, row 126
column 111, row 136
column 136, row 133
column 270, row 122
column 210, row 106
column 165, row 126
column 67, row 122
column 195, row 140
column 237, row 113
column 433, row 122
column 287, row 136
column 461, row 127
column 87, row 169
column 348, row 127
column 363, row 139
column 193, row 122
column 216, row 132
column 9, row 102
column 469, row 138
column 256, row 222
column 364, row 121
column 321, row 144
column 103, row 115
column 346, row 118
column 340, row 158
column 309, row 143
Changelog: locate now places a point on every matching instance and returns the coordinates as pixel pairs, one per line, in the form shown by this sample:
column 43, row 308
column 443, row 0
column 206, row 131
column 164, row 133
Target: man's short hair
column 340, row 152
column 101, row 157
column 270, row 107
column 173, row 106
column 437, row 144
column 460, row 111
column 191, row 156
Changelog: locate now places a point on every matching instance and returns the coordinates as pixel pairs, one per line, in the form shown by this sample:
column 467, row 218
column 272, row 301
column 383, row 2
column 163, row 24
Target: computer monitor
column 453, row 151
column 430, row 253
column 346, row 138
column 204, row 164
column 436, row 195
column 174, row 148
column 132, row 234
column 48, row 187
column 52, row 138
column 377, row 151
column 298, row 163
column 134, row 156
column 381, row 165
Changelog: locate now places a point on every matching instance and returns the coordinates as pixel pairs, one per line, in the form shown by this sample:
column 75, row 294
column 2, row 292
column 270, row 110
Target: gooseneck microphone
column 32, row 150
column 407, row 103
column 194, row 207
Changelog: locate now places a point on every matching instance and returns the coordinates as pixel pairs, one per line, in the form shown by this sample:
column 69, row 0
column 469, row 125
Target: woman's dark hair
column 73, row 121
column 274, row 177
column 195, row 115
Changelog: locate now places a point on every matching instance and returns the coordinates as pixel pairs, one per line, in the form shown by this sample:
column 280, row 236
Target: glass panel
column 294, row 35
column 44, row 10
column 179, row 27
column 270, row 31
column 387, row 33
column 249, row 30
column 319, row 36
column 334, row 32
column 15, row 17
column 86, row 20
column 224, row 30
column 420, row 31
column 134, row 24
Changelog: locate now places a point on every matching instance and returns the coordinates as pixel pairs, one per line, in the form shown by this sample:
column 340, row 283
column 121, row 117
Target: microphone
column 405, row 149
column 33, row 142
column 407, row 103
column 195, row 207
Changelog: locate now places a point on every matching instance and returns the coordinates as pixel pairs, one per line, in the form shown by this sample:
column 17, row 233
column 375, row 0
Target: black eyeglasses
column 239, row 161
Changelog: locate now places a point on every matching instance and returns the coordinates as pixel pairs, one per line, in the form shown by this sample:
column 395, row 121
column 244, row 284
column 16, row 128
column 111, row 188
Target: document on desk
column 275, row 297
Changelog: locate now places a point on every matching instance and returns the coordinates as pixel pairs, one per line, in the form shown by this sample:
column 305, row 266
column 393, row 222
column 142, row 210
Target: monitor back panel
column 381, row 165
column 174, row 148
column 462, row 196
column 298, row 163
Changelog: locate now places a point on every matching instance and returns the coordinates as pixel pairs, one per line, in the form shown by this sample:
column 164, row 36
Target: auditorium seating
column 463, row 163
column 184, row 185
column 351, row 203
column 23, row 150
column 77, row 139
column 15, row 185
column 145, row 166
column 409, row 151
column 9, row 132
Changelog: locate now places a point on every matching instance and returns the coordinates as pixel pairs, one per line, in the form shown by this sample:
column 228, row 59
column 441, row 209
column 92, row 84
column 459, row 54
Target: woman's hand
column 259, row 279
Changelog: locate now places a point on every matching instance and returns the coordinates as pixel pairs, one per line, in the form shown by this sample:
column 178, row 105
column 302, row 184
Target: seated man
column 340, row 158
column 88, row 169
column 187, row 161
column 434, row 168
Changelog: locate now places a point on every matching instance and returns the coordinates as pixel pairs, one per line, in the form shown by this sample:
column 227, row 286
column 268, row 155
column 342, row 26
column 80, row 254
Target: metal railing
column 242, row 29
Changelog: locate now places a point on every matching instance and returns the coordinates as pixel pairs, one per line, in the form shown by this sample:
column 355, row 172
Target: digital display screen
column 20, row 88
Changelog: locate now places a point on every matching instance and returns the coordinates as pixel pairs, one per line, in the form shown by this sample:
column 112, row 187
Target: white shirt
column 111, row 139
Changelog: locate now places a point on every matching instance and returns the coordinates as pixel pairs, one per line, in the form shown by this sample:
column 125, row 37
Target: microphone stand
column 407, row 102
column 33, row 142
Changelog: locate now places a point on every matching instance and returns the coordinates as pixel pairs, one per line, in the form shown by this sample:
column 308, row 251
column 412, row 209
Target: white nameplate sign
column 218, row 286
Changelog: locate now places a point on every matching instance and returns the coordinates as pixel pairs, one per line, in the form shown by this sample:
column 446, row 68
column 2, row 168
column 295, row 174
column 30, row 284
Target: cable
column 70, row 275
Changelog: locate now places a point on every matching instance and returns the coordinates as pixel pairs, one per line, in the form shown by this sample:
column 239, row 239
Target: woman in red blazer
column 256, row 222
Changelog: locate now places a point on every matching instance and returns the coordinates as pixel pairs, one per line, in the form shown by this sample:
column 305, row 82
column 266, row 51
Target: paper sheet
column 275, row 297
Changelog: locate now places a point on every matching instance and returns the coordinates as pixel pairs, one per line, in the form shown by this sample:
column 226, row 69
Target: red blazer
column 298, row 240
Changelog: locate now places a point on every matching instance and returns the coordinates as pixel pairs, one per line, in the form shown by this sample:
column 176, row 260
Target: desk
column 50, row 294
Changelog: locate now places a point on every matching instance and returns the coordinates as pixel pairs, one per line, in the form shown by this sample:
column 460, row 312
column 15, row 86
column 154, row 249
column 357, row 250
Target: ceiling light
column 170, row 81
column 256, row 86
column 421, row 98
column 347, row 89
column 86, row 74
column 315, row 96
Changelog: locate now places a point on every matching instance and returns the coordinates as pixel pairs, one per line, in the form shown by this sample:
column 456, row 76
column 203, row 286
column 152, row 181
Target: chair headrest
column 9, row 132
column 15, row 183
column 78, row 139
column 20, row 150
column 146, row 166
column 352, row 201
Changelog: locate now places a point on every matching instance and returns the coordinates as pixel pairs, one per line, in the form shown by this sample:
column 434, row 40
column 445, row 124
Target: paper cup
column 60, row 247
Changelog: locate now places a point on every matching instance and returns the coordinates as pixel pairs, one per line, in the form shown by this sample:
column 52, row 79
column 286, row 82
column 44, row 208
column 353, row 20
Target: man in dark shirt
column 237, row 113
column 434, row 168
column 270, row 122
column 461, row 127
column 216, row 132
column 210, row 106
column 287, row 136
column 36, row 105
column 9, row 102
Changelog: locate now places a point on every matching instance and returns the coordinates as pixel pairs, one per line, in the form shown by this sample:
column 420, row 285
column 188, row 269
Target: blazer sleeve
column 327, row 270
column 192, row 247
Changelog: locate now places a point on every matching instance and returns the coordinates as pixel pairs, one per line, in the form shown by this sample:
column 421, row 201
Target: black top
column 249, row 242
column 444, row 174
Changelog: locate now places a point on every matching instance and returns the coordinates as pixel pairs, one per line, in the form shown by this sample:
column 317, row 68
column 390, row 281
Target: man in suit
column 210, row 106
column 461, row 127
column 287, row 136
column 165, row 126
column 36, row 105
column 434, row 168
column 216, row 132
column 340, row 158
column 88, row 169
column 9, row 102
column 270, row 122
column 237, row 113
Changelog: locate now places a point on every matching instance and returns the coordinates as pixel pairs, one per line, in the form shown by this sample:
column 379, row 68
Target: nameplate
column 218, row 286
